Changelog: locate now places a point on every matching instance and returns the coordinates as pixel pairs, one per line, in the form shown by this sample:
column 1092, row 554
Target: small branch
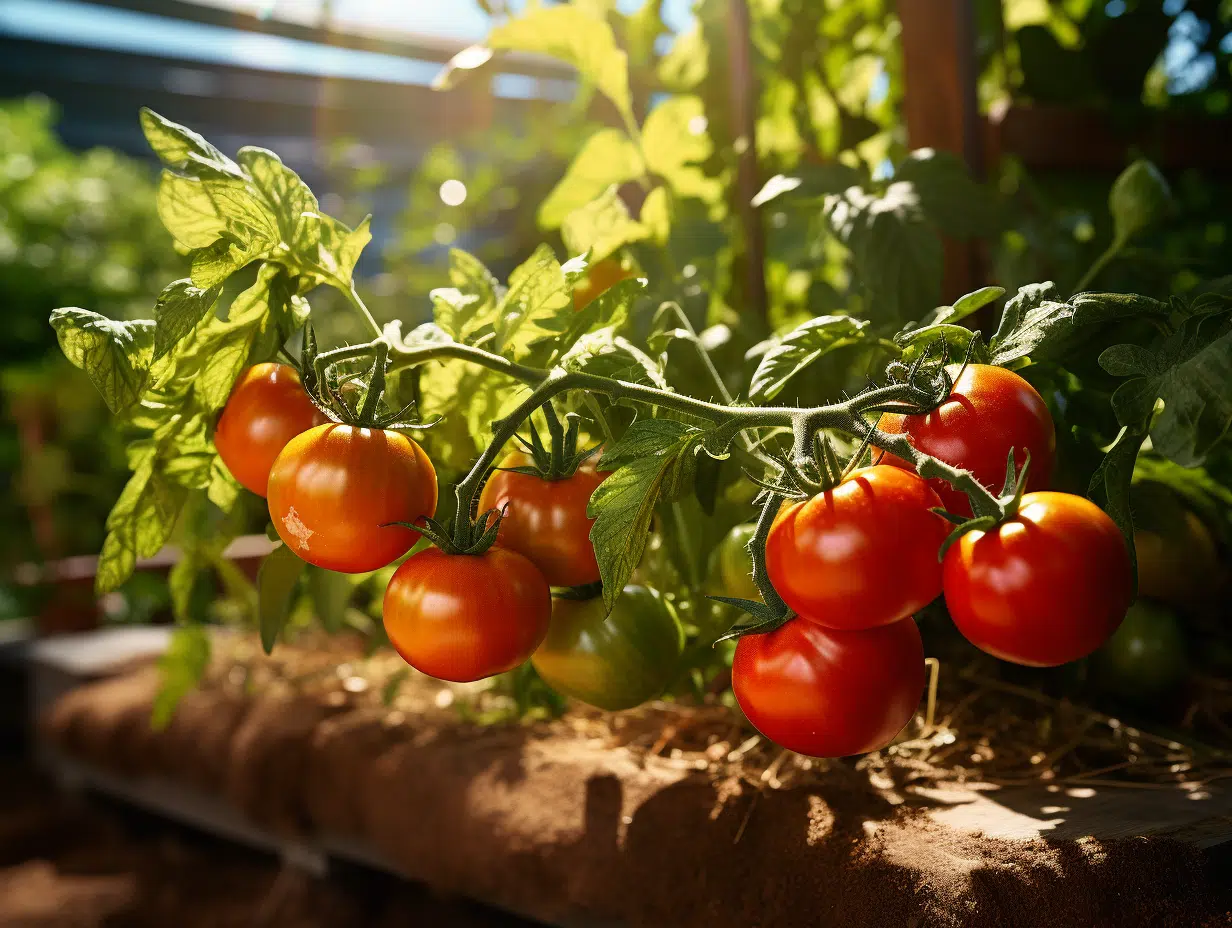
column 401, row 357
column 757, row 550
column 1100, row 263
column 354, row 299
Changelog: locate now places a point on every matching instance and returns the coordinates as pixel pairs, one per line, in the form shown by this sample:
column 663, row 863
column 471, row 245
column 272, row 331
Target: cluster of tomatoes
column 337, row 494
column 854, row 563
column 1047, row 586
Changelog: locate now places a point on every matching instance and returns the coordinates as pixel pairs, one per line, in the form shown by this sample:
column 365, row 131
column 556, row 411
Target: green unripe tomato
column 731, row 567
column 1146, row 656
column 611, row 661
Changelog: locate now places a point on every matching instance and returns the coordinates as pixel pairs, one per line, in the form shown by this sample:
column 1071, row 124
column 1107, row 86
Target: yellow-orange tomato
column 334, row 490
column 600, row 277
column 268, row 407
column 546, row 520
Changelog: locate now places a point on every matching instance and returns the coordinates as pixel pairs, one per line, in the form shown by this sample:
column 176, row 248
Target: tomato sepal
column 561, row 459
column 769, row 618
column 482, row 534
column 1007, row 504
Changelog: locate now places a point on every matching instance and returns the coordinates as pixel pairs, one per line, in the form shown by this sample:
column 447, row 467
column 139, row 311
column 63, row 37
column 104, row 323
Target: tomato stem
column 355, row 300
column 728, row 421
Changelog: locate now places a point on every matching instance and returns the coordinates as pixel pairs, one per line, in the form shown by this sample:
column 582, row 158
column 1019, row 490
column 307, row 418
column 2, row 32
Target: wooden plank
column 1062, row 138
column 940, row 106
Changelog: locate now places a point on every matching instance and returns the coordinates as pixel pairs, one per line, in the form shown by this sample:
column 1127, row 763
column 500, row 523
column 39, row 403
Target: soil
column 66, row 863
column 656, row 818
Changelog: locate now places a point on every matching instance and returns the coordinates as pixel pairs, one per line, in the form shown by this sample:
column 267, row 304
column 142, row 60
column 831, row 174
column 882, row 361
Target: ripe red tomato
column 600, row 277
column 829, row 693
column 267, row 408
column 334, row 488
column 546, row 519
column 990, row 410
column 1045, row 588
column 861, row 554
column 463, row 617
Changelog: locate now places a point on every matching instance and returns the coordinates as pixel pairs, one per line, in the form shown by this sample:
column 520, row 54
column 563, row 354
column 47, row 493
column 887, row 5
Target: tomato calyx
column 479, row 536
column 560, row 459
column 1007, row 506
column 359, row 398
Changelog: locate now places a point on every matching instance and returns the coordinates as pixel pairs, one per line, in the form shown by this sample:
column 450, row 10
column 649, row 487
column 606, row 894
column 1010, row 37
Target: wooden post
column 940, row 104
column 744, row 111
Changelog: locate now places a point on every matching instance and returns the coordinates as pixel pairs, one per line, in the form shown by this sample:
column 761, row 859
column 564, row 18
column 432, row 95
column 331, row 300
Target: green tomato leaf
column 179, row 308
column 1190, row 371
column 223, row 489
column 601, row 227
column 115, row 355
column 674, row 135
column 182, row 666
column 567, row 33
column 606, row 158
column 610, row 309
column 277, row 579
column 783, row 358
column 538, row 303
column 607, row 354
column 1093, row 308
column 331, row 595
column 1032, row 327
column 179, row 147
column 139, row 524
column 964, row 306
column 1111, row 482
column 895, row 252
column 470, row 305
column 1139, row 198
column 957, row 338
column 652, row 461
column 948, row 196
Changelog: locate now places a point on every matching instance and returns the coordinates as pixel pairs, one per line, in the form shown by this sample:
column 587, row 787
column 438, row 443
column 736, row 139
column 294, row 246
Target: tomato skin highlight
column 610, row 661
column 267, row 408
column 334, row 488
column 989, row 411
column 463, row 617
column 1046, row 588
column 828, row 693
column 861, row 554
column 546, row 520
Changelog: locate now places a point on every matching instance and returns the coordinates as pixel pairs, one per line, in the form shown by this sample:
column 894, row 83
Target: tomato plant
column 463, row 617
column 861, row 554
column 546, row 520
column 612, row 660
column 1046, row 587
column 829, row 693
column 267, row 408
column 989, row 412
column 653, row 367
column 335, row 490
